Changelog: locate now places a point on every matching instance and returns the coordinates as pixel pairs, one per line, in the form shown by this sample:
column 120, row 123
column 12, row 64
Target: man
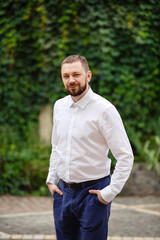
column 85, row 127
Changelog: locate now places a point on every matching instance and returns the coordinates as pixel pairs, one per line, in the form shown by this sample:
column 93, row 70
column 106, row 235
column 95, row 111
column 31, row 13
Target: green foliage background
column 120, row 40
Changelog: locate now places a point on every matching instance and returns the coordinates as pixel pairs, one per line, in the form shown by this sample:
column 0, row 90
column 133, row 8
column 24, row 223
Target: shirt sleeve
column 52, row 175
column 116, row 138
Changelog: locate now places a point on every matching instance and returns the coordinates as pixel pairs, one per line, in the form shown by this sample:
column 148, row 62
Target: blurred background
column 120, row 40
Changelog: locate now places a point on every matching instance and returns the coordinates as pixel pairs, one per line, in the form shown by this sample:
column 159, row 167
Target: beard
column 77, row 90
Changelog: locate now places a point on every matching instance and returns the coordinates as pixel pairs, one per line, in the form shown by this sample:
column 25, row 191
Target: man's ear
column 89, row 76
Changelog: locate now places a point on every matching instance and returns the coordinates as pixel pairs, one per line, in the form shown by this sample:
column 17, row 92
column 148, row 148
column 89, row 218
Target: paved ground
column 132, row 218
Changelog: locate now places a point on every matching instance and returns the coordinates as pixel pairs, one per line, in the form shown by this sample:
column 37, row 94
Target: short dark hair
column 76, row 58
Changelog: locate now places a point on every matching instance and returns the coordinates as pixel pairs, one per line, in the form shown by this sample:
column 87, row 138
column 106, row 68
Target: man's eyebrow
column 70, row 73
column 65, row 74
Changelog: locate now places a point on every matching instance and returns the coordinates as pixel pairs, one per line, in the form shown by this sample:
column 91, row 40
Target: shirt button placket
column 69, row 143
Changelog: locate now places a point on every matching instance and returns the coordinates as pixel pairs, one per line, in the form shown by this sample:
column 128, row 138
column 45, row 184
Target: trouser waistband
column 82, row 185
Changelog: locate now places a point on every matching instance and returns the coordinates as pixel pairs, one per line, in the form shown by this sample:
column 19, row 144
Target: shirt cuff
column 52, row 179
column 106, row 194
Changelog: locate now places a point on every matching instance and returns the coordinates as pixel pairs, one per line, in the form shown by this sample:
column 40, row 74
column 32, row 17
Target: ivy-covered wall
column 120, row 40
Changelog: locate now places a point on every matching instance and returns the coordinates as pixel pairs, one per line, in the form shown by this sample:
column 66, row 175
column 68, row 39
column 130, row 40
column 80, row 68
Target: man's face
column 75, row 78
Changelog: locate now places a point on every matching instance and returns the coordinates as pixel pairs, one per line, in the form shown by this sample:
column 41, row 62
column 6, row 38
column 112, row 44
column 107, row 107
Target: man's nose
column 71, row 79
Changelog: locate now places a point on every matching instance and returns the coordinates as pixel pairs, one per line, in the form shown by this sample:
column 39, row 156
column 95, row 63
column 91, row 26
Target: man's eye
column 65, row 76
column 76, row 75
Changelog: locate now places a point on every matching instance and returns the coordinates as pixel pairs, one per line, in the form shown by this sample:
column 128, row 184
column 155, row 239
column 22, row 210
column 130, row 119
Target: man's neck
column 77, row 98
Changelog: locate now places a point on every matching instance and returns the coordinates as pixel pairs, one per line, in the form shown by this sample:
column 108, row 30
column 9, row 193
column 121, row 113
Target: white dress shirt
column 83, row 132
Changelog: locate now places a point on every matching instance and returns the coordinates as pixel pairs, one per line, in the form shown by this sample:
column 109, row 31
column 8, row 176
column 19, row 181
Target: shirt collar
column 82, row 103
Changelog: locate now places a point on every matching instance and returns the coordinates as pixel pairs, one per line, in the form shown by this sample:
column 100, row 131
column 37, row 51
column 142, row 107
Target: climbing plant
column 120, row 40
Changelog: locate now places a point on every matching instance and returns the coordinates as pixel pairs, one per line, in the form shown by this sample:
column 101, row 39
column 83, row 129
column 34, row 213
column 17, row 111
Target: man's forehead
column 75, row 67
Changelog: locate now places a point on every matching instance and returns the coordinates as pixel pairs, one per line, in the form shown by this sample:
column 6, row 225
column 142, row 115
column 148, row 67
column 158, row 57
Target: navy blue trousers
column 79, row 215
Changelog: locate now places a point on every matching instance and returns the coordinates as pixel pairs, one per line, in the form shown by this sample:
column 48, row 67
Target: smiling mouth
column 74, row 86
